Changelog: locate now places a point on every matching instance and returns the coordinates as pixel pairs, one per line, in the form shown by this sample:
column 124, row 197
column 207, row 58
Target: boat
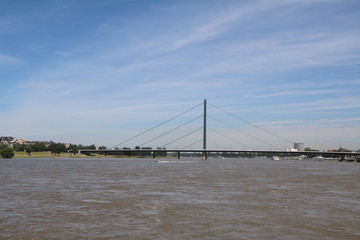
column 275, row 158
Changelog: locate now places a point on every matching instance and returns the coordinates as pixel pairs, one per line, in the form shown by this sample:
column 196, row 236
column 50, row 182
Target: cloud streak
column 7, row 60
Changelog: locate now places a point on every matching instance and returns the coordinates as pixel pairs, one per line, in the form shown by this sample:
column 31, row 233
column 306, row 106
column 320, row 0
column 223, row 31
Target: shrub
column 7, row 152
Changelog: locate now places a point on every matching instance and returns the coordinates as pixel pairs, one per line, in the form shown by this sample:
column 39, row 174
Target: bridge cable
column 216, row 144
column 157, row 126
column 229, row 138
column 182, row 137
column 193, row 144
column 163, row 134
column 244, row 132
column 252, row 124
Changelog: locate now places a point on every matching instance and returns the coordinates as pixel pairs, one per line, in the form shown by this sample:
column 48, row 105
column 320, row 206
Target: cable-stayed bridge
column 195, row 132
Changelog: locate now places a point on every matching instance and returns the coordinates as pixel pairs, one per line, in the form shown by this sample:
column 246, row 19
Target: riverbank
column 61, row 155
column 66, row 155
column 70, row 155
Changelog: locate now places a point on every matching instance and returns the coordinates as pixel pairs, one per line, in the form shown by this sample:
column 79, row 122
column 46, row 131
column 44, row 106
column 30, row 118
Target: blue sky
column 102, row 71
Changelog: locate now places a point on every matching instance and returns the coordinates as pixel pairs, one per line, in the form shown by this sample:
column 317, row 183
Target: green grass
column 50, row 155
column 63, row 155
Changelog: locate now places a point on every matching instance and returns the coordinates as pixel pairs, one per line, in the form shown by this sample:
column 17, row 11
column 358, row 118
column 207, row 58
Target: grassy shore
column 61, row 155
column 65, row 155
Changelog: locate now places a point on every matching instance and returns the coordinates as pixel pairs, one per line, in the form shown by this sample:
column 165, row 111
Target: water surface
column 179, row 199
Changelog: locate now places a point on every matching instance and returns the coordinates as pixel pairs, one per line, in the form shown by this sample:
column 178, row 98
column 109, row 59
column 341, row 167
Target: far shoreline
column 61, row 155
column 48, row 154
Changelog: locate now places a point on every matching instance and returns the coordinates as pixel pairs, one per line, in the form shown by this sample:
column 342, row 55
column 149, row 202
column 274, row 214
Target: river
column 188, row 198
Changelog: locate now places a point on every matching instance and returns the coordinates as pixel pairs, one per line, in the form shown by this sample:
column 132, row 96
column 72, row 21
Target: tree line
column 55, row 148
column 7, row 151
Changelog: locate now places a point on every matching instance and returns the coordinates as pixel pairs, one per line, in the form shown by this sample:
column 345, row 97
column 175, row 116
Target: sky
column 100, row 72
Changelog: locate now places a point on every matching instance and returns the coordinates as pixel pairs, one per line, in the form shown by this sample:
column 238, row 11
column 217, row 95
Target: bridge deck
column 296, row 153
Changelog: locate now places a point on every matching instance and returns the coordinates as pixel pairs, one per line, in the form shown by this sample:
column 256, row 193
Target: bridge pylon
column 204, row 153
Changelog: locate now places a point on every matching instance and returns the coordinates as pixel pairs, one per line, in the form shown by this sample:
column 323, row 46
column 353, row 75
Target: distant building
column 10, row 141
column 7, row 140
column 291, row 150
column 47, row 143
column 299, row 146
column 20, row 141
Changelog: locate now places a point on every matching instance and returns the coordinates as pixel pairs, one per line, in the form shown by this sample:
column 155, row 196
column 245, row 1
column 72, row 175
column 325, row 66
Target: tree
column 308, row 149
column 56, row 148
column 2, row 146
column 28, row 150
column 161, row 154
column 74, row 148
column 146, row 154
column 102, row 148
column 39, row 147
column 91, row 147
column 341, row 149
column 19, row 147
column 6, row 152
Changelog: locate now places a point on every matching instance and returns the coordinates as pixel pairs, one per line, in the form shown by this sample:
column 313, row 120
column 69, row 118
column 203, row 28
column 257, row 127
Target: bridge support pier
column 178, row 155
column 204, row 154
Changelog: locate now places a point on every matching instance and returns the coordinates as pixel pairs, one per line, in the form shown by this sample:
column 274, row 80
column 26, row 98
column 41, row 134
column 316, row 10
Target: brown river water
column 179, row 199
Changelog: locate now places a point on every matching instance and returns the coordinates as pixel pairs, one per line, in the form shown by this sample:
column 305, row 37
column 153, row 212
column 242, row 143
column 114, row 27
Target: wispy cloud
column 278, row 122
column 301, row 92
column 63, row 53
column 319, row 122
column 340, row 120
column 224, row 20
column 284, row 52
column 6, row 59
column 319, row 106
